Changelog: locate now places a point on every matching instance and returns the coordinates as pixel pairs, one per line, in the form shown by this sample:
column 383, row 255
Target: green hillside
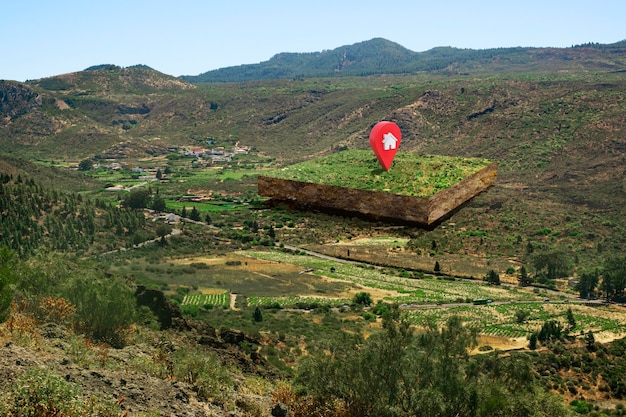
column 380, row 56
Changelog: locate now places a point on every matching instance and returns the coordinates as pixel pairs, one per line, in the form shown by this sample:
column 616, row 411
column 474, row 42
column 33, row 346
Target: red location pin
column 385, row 140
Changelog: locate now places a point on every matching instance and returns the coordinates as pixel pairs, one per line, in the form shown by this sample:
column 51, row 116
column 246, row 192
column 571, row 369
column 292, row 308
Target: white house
column 389, row 141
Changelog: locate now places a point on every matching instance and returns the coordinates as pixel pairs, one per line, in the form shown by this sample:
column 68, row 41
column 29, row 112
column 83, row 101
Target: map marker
column 385, row 140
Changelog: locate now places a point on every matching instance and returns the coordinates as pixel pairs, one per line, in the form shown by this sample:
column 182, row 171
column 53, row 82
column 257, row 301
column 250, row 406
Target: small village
column 200, row 157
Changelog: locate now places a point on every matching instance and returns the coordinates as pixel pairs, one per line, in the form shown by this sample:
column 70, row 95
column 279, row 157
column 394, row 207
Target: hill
column 380, row 56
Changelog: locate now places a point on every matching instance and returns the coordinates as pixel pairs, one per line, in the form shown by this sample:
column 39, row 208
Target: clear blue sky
column 42, row 38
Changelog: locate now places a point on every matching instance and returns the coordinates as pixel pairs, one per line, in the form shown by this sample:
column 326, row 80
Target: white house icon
column 389, row 141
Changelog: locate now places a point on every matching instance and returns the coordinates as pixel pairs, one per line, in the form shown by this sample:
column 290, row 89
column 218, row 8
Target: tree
column 400, row 373
column 614, row 278
column 521, row 315
column 590, row 341
column 158, row 203
column 8, row 279
column 208, row 219
column 553, row 264
column 159, row 174
column 362, row 298
column 257, row 316
column 587, row 284
column 524, row 279
column 195, row 214
column 437, row 267
column 492, row 277
column 532, row 342
column 85, row 165
column 571, row 320
column 550, row 330
column 137, row 199
column 163, row 230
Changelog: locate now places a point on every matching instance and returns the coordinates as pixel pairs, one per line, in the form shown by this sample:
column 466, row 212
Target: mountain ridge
column 381, row 56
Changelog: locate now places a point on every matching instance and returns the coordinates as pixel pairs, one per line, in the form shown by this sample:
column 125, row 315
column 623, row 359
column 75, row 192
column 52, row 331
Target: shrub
column 521, row 316
column 54, row 310
column 41, row 392
column 362, row 298
column 205, row 371
column 105, row 308
column 369, row 316
column 191, row 310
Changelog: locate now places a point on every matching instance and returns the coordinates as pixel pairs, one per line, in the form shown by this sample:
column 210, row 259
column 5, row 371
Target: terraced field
column 433, row 300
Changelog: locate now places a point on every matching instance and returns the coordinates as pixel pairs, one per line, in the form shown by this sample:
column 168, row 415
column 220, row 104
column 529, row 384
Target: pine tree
column 532, row 342
column 195, row 214
column 257, row 316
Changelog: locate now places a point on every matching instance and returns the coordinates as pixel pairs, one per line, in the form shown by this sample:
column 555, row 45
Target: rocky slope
column 141, row 379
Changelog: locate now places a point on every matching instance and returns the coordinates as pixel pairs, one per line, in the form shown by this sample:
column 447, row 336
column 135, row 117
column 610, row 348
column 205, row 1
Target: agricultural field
column 296, row 302
column 388, row 251
column 606, row 322
column 200, row 299
column 398, row 288
column 432, row 300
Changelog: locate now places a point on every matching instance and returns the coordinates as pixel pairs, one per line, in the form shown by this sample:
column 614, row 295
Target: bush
column 41, row 392
column 105, row 308
column 191, row 310
column 362, row 298
column 205, row 371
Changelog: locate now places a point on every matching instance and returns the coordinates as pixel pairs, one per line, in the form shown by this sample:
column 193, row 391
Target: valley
column 115, row 179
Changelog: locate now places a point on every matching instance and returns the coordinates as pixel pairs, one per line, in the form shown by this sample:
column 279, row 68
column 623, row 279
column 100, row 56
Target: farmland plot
column 497, row 320
column 409, row 291
column 296, row 301
column 216, row 300
column 500, row 320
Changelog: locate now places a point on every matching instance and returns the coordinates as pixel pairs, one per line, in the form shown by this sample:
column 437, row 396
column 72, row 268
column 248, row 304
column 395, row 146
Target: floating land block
column 421, row 189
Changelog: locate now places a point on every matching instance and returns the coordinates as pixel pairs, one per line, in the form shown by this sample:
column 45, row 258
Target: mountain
column 84, row 113
column 380, row 56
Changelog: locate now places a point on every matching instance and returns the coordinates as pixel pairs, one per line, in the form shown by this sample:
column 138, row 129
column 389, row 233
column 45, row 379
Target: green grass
column 411, row 174
column 203, row 207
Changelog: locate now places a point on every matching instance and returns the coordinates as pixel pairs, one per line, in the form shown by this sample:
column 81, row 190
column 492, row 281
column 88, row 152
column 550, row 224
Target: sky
column 43, row 38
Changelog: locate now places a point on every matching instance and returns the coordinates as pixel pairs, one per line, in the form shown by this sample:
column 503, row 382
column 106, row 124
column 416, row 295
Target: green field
column 215, row 300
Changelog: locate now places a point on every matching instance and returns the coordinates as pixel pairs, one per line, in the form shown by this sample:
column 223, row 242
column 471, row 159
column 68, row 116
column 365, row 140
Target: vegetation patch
column 215, row 300
column 296, row 302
